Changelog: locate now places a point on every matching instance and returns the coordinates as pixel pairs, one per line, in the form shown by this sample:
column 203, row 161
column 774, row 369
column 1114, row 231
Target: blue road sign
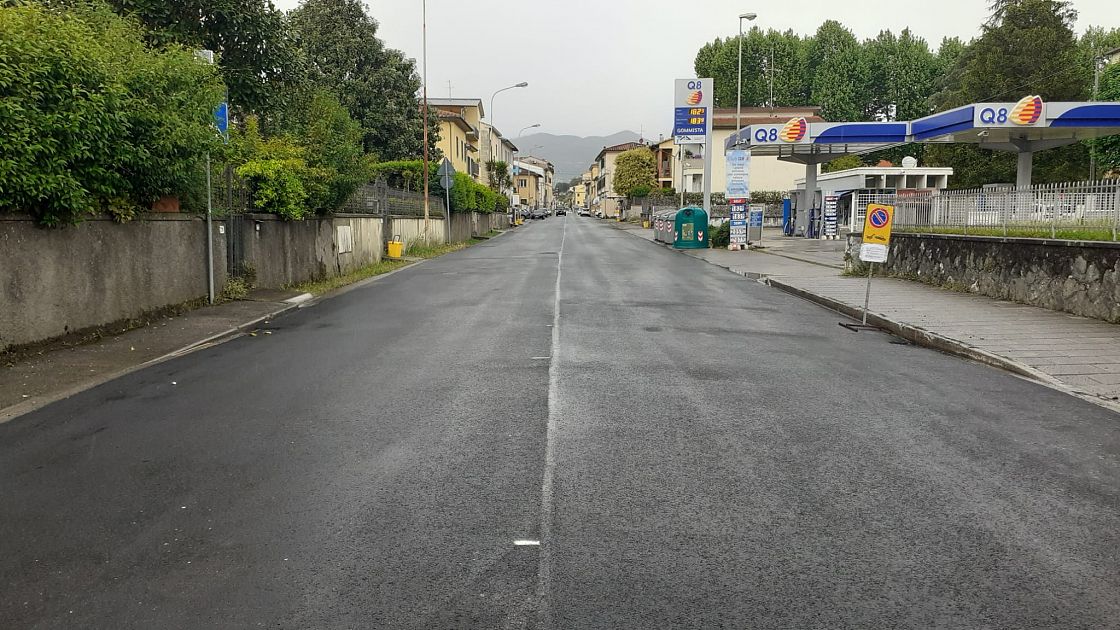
column 879, row 218
column 221, row 118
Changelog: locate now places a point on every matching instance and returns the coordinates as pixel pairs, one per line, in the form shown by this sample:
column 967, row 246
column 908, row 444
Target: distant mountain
column 571, row 155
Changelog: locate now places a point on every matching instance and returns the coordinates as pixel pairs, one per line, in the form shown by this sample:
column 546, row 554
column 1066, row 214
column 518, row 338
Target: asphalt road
column 691, row 450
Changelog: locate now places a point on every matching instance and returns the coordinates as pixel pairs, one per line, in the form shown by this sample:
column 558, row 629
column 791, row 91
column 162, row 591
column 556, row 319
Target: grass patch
column 319, row 287
column 417, row 250
column 1062, row 233
column 421, row 250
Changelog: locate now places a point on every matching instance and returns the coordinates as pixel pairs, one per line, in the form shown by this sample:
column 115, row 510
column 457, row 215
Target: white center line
column 527, row 543
column 544, row 569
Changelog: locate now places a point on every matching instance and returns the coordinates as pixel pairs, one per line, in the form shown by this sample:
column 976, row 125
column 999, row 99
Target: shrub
column 720, row 236
column 92, row 118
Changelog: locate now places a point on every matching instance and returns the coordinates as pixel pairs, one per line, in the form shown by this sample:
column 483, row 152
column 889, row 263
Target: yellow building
column 528, row 183
column 459, row 136
column 579, row 195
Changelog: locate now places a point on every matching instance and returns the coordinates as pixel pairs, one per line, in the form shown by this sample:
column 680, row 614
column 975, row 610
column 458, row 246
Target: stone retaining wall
column 1079, row 277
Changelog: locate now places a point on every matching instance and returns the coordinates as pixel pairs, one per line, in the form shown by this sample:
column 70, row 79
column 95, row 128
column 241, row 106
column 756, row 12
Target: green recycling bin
column 691, row 231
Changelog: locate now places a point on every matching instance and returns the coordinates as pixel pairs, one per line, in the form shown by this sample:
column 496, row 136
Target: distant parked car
column 560, row 212
column 539, row 214
column 584, row 212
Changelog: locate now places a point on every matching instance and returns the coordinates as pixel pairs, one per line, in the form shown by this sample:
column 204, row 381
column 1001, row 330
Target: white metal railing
column 1083, row 210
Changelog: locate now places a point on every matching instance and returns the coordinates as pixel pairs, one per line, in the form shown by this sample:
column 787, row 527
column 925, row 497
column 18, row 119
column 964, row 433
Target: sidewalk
column 1074, row 353
column 30, row 382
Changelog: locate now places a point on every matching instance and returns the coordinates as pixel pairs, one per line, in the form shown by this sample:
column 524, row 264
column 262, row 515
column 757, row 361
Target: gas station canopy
column 813, row 143
column 1024, row 127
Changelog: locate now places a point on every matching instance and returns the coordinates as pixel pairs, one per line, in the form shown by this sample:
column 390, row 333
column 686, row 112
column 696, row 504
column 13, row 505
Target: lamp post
column 739, row 95
column 529, row 127
column 490, row 140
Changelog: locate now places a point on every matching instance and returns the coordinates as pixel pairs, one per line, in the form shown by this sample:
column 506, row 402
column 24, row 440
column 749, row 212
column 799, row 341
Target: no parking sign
column 877, row 233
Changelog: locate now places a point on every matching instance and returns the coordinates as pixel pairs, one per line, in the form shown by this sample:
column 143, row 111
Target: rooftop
column 458, row 102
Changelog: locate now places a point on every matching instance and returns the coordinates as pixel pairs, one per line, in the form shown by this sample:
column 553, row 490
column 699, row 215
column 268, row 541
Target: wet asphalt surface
column 691, row 450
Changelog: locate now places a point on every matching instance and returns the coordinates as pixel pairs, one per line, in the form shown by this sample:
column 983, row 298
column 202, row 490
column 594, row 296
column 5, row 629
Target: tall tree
column 257, row 57
column 1004, row 65
column 902, row 73
column 719, row 59
column 378, row 85
column 1108, row 149
column 839, row 72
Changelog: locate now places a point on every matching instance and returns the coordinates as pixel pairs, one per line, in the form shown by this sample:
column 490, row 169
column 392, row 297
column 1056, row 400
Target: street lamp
column 490, row 140
column 739, row 96
column 529, row 127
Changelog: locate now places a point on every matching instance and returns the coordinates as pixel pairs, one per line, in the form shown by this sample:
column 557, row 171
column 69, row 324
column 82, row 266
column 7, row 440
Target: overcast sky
column 596, row 67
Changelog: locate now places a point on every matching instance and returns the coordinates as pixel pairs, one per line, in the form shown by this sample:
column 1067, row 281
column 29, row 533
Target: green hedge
column 467, row 195
column 93, row 119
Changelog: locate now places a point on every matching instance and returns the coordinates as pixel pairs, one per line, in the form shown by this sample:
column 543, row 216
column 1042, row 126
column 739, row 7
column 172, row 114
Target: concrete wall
column 411, row 230
column 283, row 253
column 366, row 238
column 54, row 282
column 1079, row 277
column 58, row 281
column 462, row 226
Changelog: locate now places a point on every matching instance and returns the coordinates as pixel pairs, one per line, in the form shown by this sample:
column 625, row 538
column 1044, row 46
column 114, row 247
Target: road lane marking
column 544, row 610
column 527, row 543
column 540, row 358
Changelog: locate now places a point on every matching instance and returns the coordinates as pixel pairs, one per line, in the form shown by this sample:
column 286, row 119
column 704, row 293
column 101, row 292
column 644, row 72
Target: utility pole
column 1098, row 62
column 427, row 199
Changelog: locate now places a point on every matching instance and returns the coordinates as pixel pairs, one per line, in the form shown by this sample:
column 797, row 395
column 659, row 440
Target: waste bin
column 395, row 247
column 690, row 229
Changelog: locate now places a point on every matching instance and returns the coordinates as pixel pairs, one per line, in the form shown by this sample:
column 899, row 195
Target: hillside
column 571, row 155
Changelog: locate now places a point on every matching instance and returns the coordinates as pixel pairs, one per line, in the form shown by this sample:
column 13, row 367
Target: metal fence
column 1086, row 210
column 379, row 198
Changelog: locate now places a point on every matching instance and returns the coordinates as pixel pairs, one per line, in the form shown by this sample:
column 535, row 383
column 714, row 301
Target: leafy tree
column 1004, row 65
column 378, row 85
column 840, row 73
column 92, row 118
column 497, row 172
column 1108, row 149
column 843, row 164
column 333, row 144
column 257, row 56
column 902, row 73
column 634, row 171
column 720, row 59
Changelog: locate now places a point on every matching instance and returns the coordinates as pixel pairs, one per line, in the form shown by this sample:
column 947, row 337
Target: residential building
column 547, row 193
column 495, row 147
column 1112, row 56
column 766, row 173
column 591, row 182
column 528, row 182
column 579, row 195
column 605, row 199
column 460, row 120
column 668, row 175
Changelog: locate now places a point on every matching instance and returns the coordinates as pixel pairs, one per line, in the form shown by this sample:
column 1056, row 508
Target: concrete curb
column 922, row 337
column 803, row 260
column 300, row 301
column 916, row 335
column 24, row 408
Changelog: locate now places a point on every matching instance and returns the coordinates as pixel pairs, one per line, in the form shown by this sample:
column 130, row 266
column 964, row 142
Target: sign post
column 754, row 224
column 447, row 180
column 830, row 228
column 876, row 243
column 738, row 224
column 692, row 124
